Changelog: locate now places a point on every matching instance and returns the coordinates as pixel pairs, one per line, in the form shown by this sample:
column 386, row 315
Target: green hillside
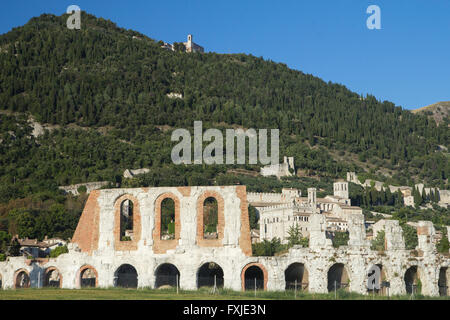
column 103, row 91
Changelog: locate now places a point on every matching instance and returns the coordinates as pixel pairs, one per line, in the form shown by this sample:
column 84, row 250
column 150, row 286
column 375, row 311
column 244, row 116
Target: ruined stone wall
column 95, row 248
column 90, row 186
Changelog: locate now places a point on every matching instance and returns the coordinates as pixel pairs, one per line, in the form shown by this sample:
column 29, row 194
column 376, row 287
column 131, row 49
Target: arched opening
column 210, row 218
column 337, row 277
column 167, row 219
column 1, row 282
column 52, row 278
column 22, row 280
column 296, row 277
column 444, row 281
column 126, row 277
column 167, row 275
column 210, row 274
column 412, row 281
column 254, row 278
column 126, row 220
column 88, row 278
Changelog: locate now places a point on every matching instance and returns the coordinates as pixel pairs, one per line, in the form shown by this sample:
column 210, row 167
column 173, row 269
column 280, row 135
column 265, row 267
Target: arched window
column 296, row 277
column 210, row 218
column 210, row 275
column 22, row 280
column 412, row 281
column 167, row 275
column 126, row 220
column 126, row 277
column 52, row 278
column 167, row 219
column 88, row 277
column 338, row 278
column 254, row 278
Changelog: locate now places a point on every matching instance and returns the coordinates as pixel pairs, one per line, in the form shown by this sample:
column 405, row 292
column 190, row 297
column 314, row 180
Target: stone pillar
column 357, row 231
column 393, row 235
column 317, row 228
column 312, row 198
column 425, row 235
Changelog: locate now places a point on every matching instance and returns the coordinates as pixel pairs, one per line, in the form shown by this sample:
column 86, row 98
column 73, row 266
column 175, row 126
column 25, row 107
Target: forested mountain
column 105, row 91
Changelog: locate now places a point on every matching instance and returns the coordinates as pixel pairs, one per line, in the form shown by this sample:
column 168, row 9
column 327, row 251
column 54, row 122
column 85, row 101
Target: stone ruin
column 100, row 257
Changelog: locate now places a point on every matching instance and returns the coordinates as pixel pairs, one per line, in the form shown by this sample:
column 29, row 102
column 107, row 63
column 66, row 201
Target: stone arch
column 201, row 241
column 52, row 277
column 338, row 277
column 208, row 273
column 135, row 234
column 251, row 272
column 411, row 280
column 444, row 281
column 167, row 275
column 126, row 276
column 22, row 279
column 161, row 245
column 296, row 276
column 87, row 277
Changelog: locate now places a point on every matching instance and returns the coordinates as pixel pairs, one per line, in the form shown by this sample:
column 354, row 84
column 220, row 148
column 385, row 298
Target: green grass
column 171, row 294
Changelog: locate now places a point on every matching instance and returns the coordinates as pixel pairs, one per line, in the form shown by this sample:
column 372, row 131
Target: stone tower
column 341, row 189
column 312, row 200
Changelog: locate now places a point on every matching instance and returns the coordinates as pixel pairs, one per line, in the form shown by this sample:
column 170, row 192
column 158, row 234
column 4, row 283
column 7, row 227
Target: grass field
column 171, row 294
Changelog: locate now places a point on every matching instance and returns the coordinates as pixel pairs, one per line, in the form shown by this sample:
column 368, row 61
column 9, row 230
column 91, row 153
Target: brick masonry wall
column 245, row 241
column 127, row 245
column 87, row 231
column 259, row 265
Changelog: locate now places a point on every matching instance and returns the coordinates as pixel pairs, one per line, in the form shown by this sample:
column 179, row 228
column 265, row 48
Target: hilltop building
column 190, row 45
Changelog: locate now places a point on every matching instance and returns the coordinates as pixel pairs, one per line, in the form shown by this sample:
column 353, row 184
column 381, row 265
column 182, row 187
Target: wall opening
column 126, row 277
column 88, row 278
column 52, row 278
column 444, row 281
column 210, row 218
column 167, row 219
column 22, row 280
column 254, row 278
column 412, row 281
column 126, row 220
column 208, row 274
column 296, row 276
column 337, row 277
column 167, row 276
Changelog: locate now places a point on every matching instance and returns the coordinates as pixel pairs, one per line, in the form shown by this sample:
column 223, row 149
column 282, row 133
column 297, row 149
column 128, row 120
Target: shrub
column 378, row 242
column 58, row 251
column 82, row 189
column 340, row 239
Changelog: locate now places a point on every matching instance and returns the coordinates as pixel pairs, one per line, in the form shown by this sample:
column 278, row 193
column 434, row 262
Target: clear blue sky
column 406, row 62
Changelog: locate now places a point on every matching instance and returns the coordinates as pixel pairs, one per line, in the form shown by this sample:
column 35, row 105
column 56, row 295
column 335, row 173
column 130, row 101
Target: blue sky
column 406, row 62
